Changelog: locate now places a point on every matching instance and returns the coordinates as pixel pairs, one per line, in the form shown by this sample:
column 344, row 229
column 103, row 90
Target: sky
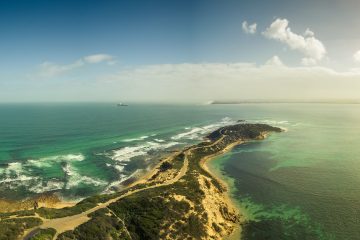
column 178, row 51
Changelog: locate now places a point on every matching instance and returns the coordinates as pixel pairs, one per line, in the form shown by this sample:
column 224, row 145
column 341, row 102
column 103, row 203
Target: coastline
column 228, row 199
column 53, row 200
column 180, row 194
column 49, row 200
column 143, row 178
column 205, row 164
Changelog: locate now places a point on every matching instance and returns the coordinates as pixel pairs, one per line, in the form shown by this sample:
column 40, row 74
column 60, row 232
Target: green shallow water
column 83, row 149
column 299, row 184
column 304, row 182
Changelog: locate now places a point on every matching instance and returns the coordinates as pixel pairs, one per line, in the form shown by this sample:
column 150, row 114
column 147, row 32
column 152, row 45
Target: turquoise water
column 304, row 181
column 83, row 149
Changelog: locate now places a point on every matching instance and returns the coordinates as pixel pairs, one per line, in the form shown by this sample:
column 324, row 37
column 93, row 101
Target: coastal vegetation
column 179, row 200
column 12, row 228
column 44, row 234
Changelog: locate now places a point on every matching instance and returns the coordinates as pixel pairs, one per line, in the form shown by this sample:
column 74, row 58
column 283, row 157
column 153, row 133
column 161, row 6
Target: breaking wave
column 125, row 154
column 135, row 139
column 197, row 133
column 18, row 174
column 74, row 178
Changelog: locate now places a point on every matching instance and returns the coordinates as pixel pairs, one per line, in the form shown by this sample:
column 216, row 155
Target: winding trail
column 226, row 139
column 71, row 222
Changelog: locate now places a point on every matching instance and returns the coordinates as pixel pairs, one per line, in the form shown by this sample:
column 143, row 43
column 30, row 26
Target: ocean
column 303, row 181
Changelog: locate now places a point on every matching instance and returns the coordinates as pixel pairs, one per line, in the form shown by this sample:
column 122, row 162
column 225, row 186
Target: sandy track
column 71, row 222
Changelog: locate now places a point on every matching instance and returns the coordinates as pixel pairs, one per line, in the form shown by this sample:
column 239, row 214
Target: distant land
column 319, row 101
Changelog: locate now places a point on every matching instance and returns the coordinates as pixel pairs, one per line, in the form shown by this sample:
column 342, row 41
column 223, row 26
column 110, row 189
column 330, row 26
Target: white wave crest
column 135, row 139
column 46, row 186
column 282, row 124
column 19, row 178
column 121, row 178
column 15, row 173
column 120, row 168
column 127, row 153
column 197, row 133
column 18, row 174
column 49, row 161
column 74, row 178
column 14, row 168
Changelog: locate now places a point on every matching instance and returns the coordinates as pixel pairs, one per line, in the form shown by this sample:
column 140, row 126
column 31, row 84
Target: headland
column 178, row 199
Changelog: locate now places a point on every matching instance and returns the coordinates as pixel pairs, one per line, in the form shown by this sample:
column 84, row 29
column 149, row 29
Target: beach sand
column 213, row 197
column 44, row 200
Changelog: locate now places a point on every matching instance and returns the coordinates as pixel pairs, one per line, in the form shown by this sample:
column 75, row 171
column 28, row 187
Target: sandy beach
column 45, row 200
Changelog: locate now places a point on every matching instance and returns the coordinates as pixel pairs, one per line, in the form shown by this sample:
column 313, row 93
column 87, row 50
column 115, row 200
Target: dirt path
column 71, row 222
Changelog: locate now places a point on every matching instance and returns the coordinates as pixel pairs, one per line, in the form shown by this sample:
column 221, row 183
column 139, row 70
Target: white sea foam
column 17, row 168
column 74, row 178
column 19, row 178
column 46, row 186
column 49, row 161
column 14, row 168
column 15, row 173
column 120, row 168
column 121, row 178
column 271, row 122
column 159, row 140
column 197, row 133
column 19, row 174
column 124, row 155
column 135, row 139
column 284, row 129
column 127, row 153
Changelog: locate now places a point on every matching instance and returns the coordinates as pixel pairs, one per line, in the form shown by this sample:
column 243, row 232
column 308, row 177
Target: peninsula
column 179, row 199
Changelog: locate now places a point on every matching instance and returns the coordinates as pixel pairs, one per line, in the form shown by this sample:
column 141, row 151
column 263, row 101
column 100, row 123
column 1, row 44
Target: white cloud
column 313, row 49
column 250, row 29
column 49, row 69
column 228, row 81
column 357, row 56
column 97, row 58
column 309, row 33
column 274, row 61
column 308, row 61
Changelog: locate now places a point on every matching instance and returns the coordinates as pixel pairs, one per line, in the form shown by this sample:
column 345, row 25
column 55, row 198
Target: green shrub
column 44, row 234
column 12, row 228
